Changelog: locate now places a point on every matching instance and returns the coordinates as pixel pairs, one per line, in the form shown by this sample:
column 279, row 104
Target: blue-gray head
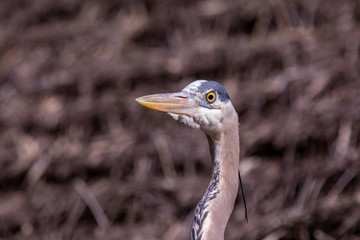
column 201, row 104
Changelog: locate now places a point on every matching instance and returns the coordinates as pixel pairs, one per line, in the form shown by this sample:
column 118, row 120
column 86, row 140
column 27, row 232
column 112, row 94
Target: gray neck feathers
column 215, row 207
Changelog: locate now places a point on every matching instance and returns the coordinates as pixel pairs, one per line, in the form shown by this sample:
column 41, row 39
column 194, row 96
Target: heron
column 206, row 105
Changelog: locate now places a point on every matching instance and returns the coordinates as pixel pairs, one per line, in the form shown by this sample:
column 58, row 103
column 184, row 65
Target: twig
column 166, row 160
column 342, row 143
column 88, row 196
column 37, row 170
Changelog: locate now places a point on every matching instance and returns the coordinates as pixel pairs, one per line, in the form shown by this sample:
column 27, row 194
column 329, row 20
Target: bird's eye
column 210, row 97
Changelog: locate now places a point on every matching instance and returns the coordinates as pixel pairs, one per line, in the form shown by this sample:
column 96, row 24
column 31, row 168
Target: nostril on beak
column 181, row 97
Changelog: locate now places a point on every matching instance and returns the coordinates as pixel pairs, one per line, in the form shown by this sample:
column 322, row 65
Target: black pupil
column 211, row 97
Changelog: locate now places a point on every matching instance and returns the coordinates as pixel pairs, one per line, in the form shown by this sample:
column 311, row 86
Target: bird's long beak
column 178, row 103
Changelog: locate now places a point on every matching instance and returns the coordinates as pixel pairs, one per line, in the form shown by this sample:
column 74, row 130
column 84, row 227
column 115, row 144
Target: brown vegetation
column 80, row 159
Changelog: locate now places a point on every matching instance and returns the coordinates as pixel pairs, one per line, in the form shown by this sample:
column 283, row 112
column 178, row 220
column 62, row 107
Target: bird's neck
column 215, row 207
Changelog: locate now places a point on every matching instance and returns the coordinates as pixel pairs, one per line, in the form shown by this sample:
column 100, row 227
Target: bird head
column 201, row 104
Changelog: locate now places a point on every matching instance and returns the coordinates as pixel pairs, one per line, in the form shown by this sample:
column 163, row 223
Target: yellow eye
column 210, row 97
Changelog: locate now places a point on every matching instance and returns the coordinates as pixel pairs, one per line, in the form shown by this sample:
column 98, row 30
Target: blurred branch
column 163, row 150
column 88, row 196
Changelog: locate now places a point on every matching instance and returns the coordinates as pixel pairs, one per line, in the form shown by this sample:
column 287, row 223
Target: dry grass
column 80, row 159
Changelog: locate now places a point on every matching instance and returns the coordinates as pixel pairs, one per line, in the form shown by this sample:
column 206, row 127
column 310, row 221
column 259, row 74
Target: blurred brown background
column 80, row 159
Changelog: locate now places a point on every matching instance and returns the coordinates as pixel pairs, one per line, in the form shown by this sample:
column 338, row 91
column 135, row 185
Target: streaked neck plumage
column 215, row 207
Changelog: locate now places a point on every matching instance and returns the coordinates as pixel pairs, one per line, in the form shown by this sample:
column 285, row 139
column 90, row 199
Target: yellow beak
column 178, row 103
